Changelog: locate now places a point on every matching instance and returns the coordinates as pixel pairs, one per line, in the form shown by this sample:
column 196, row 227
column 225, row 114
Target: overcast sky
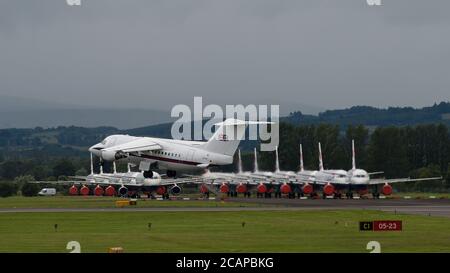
column 157, row 53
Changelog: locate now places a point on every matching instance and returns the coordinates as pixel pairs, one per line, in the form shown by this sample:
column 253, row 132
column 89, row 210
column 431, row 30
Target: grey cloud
column 154, row 54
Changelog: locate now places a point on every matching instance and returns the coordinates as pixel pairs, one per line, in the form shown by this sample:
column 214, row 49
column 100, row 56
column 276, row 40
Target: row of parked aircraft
column 188, row 162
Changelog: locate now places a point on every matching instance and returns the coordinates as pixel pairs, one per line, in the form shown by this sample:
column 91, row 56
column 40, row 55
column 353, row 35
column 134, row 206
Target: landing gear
column 349, row 195
column 267, row 195
column 314, row 195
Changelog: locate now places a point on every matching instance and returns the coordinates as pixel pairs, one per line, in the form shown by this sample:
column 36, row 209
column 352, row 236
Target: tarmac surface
column 429, row 207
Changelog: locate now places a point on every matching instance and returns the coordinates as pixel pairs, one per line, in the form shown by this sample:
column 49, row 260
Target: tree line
column 410, row 151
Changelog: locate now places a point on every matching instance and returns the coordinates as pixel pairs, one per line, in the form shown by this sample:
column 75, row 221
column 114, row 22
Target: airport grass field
column 104, row 202
column 263, row 231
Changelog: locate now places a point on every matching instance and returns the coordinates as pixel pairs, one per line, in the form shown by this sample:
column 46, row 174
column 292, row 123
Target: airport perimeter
column 240, row 225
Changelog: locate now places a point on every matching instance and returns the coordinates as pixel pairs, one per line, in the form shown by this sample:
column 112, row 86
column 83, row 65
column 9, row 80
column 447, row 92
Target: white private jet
column 175, row 156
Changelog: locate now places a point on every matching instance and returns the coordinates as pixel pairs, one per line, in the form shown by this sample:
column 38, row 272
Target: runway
column 428, row 207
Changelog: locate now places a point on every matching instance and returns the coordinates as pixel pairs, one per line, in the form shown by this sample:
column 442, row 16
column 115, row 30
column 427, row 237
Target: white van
column 47, row 192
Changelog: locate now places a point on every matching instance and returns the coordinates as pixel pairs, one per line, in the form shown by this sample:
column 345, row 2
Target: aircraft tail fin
column 228, row 135
column 92, row 165
column 302, row 167
column 353, row 155
column 320, row 158
column 277, row 160
column 256, row 161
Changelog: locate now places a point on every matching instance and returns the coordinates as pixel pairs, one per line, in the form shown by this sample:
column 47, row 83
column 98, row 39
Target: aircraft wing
column 332, row 182
column 139, row 145
column 103, row 182
column 185, row 180
column 68, row 182
column 400, row 180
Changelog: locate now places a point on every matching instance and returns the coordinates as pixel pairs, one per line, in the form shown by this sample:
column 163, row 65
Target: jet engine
column 113, row 155
column 224, row 188
column 387, row 189
column 285, row 189
column 161, row 190
column 73, row 190
column 204, row 189
column 175, row 190
column 307, row 189
column 241, row 188
column 261, row 188
column 123, row 191
column 110, row 191
column 328, row 189
column 98, row 191
column 84, row 190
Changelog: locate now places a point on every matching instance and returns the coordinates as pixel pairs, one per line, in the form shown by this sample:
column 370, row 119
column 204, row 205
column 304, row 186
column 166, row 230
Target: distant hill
column 18, row 112
column 120, row 118
column 74, row 140
column 371, row 116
